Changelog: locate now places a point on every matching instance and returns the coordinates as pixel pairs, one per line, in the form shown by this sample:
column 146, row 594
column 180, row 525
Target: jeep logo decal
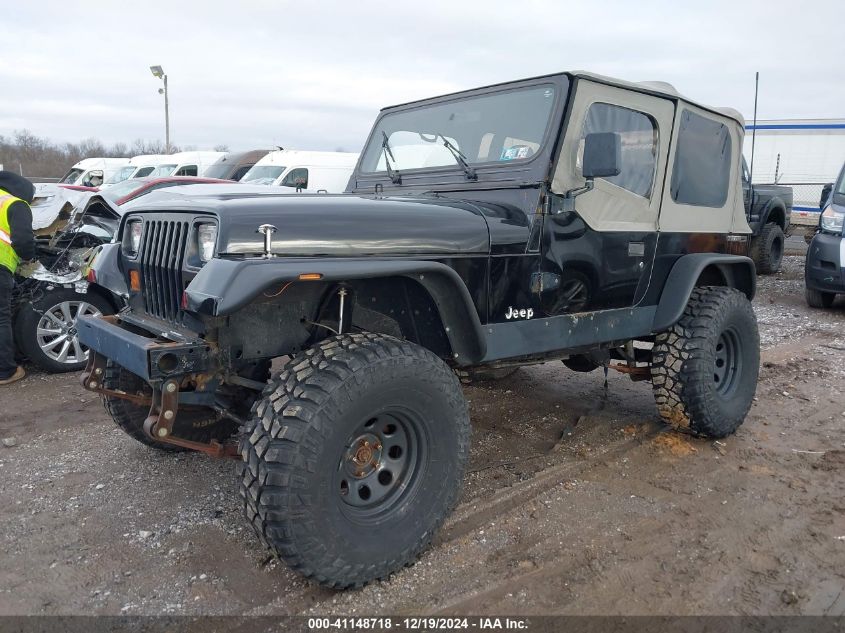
column 516, row 313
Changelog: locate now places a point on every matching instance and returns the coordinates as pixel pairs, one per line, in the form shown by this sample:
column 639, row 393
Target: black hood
column 17, row 185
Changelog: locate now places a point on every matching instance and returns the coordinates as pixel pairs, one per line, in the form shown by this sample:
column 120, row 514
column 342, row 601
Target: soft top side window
column 638, row 133
column 701, row 172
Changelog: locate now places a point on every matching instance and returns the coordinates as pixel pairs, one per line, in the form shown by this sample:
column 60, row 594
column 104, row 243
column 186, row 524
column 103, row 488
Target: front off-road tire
column 704, row 369
column 355, row 457
column 767, row 249
column 194, row 424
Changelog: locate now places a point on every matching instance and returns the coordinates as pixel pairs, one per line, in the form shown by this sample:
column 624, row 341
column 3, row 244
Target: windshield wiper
column 395, row 176
column 459, row 158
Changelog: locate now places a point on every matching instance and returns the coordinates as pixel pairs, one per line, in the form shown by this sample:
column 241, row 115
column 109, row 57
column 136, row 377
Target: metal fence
column 805, row 195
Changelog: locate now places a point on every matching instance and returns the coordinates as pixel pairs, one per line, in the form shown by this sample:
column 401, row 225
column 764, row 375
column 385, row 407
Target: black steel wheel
column 380, row 464
column 354, row 457
column 704, row 369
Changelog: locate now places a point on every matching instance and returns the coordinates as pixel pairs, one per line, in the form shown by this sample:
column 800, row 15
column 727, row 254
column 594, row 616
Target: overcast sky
column 313, row 74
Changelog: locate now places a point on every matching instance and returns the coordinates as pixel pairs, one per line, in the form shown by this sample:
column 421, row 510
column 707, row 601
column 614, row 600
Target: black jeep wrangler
column 567, row 217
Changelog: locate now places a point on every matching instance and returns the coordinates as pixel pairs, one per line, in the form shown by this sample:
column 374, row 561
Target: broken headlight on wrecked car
column 132, row 238
column 206, row 241
column 832, row 220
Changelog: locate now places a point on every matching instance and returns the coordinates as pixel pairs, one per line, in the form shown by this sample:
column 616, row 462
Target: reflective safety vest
column 8, row 257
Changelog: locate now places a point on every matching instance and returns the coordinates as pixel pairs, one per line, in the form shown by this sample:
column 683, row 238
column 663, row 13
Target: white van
column 310, row 172
column 137, row 167
column 92, row 172
column 186, row 164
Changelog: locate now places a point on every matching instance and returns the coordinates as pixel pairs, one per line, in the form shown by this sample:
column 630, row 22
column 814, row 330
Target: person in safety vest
column 17, row 244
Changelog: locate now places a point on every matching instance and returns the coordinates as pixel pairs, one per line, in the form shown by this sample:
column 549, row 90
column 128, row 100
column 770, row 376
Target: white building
column 803, row 153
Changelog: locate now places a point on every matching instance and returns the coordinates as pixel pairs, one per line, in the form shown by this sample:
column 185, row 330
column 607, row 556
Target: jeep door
column 600, row 255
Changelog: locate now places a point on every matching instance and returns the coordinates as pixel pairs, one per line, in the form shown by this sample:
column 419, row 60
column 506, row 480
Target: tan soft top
column 659, row 88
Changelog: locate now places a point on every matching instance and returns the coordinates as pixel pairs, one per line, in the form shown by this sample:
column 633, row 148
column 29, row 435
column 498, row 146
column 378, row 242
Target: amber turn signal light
column 310, row 276
column 135, row 281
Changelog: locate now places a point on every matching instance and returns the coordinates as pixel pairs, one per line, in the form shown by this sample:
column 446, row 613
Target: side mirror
column 602, row 155
column 825, row 195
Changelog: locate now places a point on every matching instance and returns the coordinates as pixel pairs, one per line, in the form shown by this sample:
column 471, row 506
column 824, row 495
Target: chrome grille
column 162, row 255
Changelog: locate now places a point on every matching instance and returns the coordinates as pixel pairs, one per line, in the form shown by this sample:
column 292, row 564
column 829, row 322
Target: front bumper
column 825, row 266
column 151, row 358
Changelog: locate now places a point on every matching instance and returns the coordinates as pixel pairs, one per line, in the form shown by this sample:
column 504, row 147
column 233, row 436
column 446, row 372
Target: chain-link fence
column 806, row 195
column 805, row 201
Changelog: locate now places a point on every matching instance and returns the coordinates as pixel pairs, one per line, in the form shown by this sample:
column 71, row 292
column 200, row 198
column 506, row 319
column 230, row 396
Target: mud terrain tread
column 277, row 447
column 678, row 378
column 761, row 249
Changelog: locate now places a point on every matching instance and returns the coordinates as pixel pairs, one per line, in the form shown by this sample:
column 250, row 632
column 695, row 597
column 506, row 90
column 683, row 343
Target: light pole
column 159, row 72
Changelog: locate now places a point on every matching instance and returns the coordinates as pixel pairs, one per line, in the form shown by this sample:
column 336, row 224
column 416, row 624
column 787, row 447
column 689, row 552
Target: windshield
column 497, row 127
column 122, row 189
column 163, row 170
column 71, row 177
column 121, row 174
column 218, row 171
column 263, row 174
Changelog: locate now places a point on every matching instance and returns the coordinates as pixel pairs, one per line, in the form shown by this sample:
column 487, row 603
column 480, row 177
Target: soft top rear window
column 702, row 168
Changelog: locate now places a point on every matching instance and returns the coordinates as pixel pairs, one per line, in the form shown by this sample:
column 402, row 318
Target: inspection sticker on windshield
column 515, row 153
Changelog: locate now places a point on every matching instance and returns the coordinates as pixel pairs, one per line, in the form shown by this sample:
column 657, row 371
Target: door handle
column 636, row 249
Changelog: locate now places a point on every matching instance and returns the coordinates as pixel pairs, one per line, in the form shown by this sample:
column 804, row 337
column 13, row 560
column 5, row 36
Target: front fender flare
column 222, row 287
column 736, row 271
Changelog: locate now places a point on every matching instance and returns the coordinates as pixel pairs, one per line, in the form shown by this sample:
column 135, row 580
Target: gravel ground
column 577, row 501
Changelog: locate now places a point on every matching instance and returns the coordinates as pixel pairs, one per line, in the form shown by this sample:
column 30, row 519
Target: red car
column 123, row 192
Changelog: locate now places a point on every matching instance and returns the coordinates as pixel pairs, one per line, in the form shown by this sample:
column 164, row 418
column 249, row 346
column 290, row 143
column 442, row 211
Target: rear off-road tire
column 704, row 369
column 767, row 249
column 818, row 298
column 195, row 424
column 354, row 457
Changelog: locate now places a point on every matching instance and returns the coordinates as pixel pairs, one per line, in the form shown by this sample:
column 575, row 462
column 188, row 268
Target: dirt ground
column 577, row 501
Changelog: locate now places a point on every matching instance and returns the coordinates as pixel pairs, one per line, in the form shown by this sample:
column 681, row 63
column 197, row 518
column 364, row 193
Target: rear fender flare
column 222, row 287
column 775, row 207
column 734, row 271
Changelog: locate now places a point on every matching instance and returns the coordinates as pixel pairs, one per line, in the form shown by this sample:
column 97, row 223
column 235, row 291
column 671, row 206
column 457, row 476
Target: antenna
column 754, row 128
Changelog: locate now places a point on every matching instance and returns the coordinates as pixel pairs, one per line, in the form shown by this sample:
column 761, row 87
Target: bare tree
column 37, row 157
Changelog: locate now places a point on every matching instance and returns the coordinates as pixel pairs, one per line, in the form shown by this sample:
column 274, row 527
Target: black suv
column 567, row 217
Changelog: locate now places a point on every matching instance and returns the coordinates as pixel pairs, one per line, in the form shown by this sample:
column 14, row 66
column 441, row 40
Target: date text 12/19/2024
column 417, row 624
